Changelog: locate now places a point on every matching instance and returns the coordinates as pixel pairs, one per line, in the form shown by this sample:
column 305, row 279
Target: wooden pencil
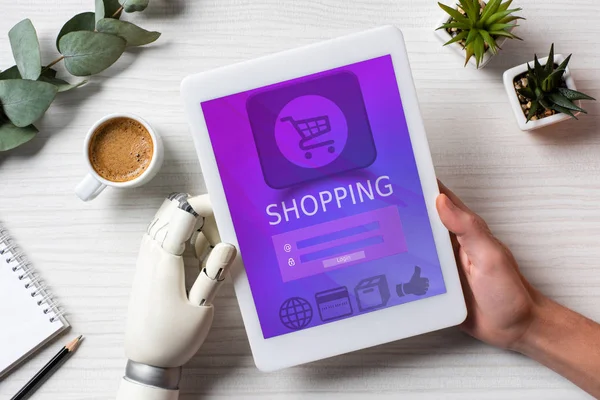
column 48, row 369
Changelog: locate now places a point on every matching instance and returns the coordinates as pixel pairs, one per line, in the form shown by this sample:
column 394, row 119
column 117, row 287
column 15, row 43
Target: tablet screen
column 325, row 197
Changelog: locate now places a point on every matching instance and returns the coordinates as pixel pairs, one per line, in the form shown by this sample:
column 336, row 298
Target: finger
column 178, row 231
column 201, row 204
column 453, row 197
column 209, row 280
column 417, row 273
column 471, row 231
column 172, row 227
column 200, row 244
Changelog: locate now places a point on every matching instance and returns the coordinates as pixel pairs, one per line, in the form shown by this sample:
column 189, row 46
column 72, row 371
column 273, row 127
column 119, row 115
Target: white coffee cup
column 93, row 184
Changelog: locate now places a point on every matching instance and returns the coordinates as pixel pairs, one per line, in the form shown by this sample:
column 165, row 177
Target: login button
column 332, row 262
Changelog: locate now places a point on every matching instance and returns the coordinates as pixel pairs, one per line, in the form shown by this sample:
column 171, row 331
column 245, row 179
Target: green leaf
column 457, row 38
column 500, row 27
column 550, row 63
column 467, row 6
column 11, row 73
column 490, row 41
column 479, row 50
column 574, row 95
column 24, row 101
column 500, row 15
column 490, row 9
column 563, row 65
column 537, row 67
column 133, row 34
column 553, row 80
column 134, row 5
column 459, row 25
column 88, row 53
column 563, row 110
column 472, row 12
column 544, row 103
column 26, row 49
column 473, row 34
column 505, row 34
column 469, row 53
column 12, row 136
column 107, row 8
column 510, row 19
column 81, row 22
column 533, row 110
column 504, row 6
column 453, row 13
column 527, row 92
column 562, row 101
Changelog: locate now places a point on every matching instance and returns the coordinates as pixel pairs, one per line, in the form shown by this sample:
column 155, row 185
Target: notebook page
column 24, row 327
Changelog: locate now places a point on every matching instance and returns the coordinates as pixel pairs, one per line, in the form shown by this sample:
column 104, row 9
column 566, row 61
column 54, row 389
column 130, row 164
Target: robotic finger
column 212, row 274
column 174, row 223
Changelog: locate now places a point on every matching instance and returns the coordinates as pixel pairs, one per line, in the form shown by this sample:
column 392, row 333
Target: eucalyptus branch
column 117, row 12
column 88, row 43
column 53, row 63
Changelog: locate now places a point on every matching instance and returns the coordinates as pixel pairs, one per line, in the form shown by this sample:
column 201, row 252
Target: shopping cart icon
column 310, row 130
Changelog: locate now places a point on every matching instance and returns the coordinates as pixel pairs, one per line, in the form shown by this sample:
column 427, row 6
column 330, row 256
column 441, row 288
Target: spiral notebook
column 29, row 316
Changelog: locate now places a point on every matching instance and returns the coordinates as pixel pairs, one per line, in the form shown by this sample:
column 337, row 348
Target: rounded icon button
column 287, row 247
column 311, row 131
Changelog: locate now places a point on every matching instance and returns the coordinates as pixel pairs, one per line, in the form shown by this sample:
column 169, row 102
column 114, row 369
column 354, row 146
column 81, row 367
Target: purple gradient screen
column 325, row 196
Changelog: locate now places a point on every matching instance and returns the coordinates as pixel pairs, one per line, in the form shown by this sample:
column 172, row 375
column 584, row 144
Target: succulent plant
column 479, row 25
column 547, row 89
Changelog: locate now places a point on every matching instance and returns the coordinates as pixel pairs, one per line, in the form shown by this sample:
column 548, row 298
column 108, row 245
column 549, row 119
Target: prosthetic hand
column 166, row 326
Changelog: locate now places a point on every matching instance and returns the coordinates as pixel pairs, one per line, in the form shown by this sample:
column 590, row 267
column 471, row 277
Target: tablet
column 318, row 168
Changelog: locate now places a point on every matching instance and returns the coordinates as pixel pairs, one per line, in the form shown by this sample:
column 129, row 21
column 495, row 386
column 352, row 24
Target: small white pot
column 444, row 36
column 509, row 77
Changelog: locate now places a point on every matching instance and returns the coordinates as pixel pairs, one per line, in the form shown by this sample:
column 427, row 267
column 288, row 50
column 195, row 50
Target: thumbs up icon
column 417, row 285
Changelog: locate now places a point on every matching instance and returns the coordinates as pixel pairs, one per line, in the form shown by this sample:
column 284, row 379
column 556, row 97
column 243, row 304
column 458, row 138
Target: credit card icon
column 333, row 303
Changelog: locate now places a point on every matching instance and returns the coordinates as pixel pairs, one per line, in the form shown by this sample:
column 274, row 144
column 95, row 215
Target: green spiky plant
column 546, row 88
column 479, row 26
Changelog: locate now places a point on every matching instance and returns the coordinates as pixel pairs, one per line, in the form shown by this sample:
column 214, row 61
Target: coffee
column 121, row 149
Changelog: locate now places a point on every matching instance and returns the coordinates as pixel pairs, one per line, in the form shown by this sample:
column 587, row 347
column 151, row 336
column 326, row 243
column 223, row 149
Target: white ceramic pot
column 508, row 79
column 444, row 36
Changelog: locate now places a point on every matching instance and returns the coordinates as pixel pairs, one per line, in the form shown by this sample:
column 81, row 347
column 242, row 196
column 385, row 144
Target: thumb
column 417, row 273
column 471, row 231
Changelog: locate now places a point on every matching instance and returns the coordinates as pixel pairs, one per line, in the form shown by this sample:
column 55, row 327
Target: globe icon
column 295, row 313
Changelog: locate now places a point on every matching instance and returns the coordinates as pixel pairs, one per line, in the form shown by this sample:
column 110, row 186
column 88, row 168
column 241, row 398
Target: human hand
column 417, row 285
column 501, row 303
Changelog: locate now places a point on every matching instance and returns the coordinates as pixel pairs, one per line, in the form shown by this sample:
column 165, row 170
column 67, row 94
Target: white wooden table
column 539, row 192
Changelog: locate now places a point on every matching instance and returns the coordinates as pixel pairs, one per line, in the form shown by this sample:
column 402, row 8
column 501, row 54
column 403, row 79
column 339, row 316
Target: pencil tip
column 73, row 344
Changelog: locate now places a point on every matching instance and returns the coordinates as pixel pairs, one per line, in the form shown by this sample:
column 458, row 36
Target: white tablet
column 319, row 171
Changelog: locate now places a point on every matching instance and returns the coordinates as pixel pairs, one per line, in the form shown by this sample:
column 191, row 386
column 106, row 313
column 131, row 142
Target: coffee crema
column 121, row 149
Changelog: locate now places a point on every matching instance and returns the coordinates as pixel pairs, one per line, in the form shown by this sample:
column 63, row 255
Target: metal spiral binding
column 38, row 289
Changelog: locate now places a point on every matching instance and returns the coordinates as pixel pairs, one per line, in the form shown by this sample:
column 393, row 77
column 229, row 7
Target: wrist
column 129, row 390
column 164, row 378
column 546, row 314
